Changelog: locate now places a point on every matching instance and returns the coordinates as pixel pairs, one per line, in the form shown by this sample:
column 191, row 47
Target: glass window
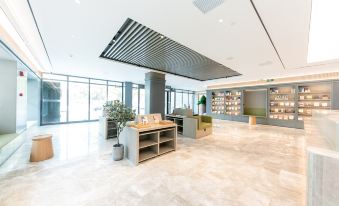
column 195, row 107
column 96, row 81
column 135, row 99
column 114, row 93
column 141, row 101
column 185, row 100
column 78, row 101
column 54, row 101
column 78, row 79
column 166, row 102
column 172, row 102
column 54, row 77
column 98, row 99
column 190, row 100
column 178, row 100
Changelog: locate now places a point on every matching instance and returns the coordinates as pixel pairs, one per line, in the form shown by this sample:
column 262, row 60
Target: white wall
column 8, row 91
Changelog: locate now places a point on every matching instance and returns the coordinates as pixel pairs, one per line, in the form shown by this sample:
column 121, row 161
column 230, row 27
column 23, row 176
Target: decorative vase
column 202, row 108
column 118, row 152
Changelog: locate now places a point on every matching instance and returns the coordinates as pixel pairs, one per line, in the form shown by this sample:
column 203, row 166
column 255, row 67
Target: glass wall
column 72, row 99
column 180, row 99
column 114, row 91
column 138, row 98
column 98, row 98
column 54, row 101
column 78, row 101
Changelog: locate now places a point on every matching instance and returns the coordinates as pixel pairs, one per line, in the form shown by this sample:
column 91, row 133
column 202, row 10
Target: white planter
column 202, row 108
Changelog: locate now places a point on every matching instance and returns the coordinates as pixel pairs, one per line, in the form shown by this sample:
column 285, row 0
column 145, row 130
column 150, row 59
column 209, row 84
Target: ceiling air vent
column 207, row 5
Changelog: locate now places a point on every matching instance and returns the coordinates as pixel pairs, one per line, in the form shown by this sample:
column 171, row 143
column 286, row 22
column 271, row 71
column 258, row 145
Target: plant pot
column 202, row 108
column 118, row 152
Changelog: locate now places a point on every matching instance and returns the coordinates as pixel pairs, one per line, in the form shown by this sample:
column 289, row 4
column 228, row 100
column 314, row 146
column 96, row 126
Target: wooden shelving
column 282, row 103
column 233, row 102
column 313, row 96
column 178, row 120
column 146, row 143
column 147, row 153
column 218, row 103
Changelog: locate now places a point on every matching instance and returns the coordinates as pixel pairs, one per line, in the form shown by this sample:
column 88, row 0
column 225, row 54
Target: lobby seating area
column 171, row 103
column 197, row 126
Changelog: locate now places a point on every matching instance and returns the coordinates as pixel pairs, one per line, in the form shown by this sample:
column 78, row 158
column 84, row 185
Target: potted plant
column 202, row 104
column 118, row 113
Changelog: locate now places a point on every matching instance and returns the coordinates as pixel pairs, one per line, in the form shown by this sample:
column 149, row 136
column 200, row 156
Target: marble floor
column 237, row 165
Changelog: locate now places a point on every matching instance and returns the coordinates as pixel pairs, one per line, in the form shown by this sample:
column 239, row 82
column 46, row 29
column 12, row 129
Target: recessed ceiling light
column 77, row 1
column 266, row 63
column 162, row 36
column 221, row 20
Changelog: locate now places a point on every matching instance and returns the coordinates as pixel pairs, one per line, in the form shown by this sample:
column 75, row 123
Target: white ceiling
column 239, row 42
column 4, row 55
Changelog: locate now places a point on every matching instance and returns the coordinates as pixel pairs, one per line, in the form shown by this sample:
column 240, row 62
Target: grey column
column 208, row 102
column 155, row 93
column 128, row 93
column 335, row 96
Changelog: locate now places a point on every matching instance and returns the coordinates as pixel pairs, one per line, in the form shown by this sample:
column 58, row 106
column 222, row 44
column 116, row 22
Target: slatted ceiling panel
column 207, row 5
column 139, row 45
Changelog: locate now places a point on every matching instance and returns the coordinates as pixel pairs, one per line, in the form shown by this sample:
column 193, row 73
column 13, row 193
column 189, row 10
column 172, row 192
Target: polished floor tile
column 237, row 165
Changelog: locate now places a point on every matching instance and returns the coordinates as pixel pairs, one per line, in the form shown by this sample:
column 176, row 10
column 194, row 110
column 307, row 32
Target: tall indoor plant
column 120, row 114
column 202, row 104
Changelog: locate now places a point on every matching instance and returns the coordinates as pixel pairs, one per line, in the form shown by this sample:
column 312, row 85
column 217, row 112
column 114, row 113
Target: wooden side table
column 252, row 120
column 42, row 148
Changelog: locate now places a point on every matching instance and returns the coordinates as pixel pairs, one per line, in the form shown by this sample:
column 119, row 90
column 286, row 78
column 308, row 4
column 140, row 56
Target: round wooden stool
column 252, row 120
column 42, row 148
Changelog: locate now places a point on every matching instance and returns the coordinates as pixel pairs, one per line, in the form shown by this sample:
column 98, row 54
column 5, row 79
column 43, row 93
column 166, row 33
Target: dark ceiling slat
column 128, row 40
column 138, row 45
column 122, row 38
column 144, row 47
column 137, row 39
column 128, row 24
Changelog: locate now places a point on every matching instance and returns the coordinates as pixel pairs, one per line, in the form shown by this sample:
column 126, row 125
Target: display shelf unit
column 282, row 104
column 233, row 102
column 218, row 103
column 313, row 96
column 177, row 120
column 144, row 144
column 107, row 128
